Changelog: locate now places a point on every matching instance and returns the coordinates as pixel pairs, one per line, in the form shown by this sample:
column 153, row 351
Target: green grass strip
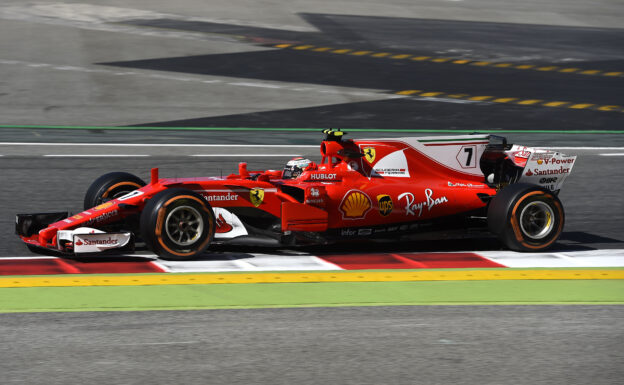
column 145, row 128
column 225, row 296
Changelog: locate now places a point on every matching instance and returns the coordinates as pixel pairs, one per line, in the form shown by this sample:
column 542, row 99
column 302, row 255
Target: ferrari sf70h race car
column 361, row 189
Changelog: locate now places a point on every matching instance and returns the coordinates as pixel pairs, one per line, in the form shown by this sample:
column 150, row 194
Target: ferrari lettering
column 416, row 208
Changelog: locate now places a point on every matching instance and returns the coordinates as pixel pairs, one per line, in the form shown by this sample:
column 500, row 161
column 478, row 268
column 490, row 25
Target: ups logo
column 385, row 204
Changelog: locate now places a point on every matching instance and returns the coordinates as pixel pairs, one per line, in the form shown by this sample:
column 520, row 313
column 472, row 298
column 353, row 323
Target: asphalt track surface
column 385, row 345
column 112, row 67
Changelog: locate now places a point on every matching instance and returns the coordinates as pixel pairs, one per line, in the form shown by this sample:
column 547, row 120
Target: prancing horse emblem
column 256, row 195
column 369, row 154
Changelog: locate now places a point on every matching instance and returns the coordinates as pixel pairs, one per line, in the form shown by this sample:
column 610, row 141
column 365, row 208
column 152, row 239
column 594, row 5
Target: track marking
column 615, row 154
column 96, row 156
column 157, row 145
column 457, row 61
column 510, row 100
column 308, row 129
column 302, row 277
column 242, row 155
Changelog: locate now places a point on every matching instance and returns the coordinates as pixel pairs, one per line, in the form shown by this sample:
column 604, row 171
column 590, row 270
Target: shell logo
column 355, row 205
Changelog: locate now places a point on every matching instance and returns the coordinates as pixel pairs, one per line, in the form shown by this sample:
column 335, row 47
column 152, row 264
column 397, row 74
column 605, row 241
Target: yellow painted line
column 555, row 104
column 451, row 60
column 581, row 106
column 301, row 277
column 479, row 98
column 609, row 108
column 590, row 72
column 361, row 53
column 408, row 92
column 530, row 101
column 526, row 102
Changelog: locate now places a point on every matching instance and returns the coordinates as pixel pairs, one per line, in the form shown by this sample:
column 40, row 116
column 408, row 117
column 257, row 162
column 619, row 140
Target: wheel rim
column 537, row 220
column 184, row 225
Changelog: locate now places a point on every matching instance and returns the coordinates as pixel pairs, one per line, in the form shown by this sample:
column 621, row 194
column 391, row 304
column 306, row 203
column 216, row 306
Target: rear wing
column 545, row 168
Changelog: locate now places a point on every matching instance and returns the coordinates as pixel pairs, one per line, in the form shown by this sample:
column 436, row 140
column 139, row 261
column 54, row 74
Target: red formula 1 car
column 381, row 188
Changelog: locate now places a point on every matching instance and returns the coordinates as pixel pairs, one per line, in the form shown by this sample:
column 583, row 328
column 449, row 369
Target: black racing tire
column 110, row 186
column 177, row 224
column 526, row 217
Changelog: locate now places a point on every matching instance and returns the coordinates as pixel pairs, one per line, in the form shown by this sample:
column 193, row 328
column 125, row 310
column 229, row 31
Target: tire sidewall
column 110, row 185
column 153, row 224
column 522, row 241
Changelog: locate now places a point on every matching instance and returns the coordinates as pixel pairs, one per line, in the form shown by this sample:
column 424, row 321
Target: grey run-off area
column 378, row 345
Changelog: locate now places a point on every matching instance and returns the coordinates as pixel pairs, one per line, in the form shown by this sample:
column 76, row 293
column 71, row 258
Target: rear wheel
column 526, row 217
column 177, row 224
column 111, row 186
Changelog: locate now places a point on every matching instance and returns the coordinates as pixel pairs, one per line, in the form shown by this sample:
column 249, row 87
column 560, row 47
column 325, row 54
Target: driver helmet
column 295, row 167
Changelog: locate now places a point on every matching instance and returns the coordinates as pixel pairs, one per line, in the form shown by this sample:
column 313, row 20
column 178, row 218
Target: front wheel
column 526, row 217
column 111, row 186
column 177, row 224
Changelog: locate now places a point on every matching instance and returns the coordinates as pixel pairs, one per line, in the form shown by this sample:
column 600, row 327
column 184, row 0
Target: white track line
column 617, row 154
column 95, row 156
column 242, row 155
column 244, row 145
column 159, row 145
